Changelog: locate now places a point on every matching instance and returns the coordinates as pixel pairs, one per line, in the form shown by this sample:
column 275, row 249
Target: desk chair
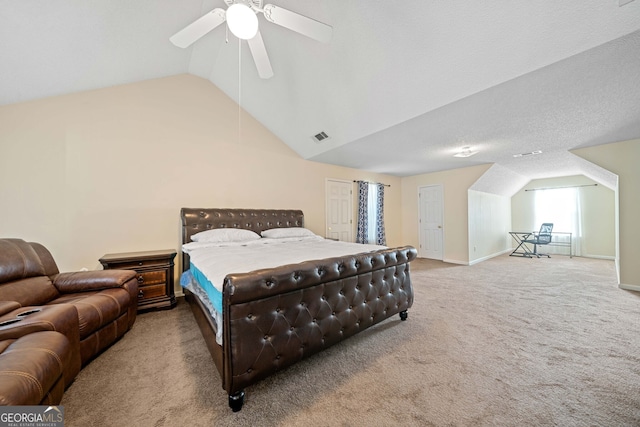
column 542, row 237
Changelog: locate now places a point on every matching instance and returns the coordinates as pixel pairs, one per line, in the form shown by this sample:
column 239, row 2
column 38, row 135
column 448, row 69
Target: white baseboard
column 607, row 257
column 630, row 287
column 478, row 260
column 455, row 261
column 484, row 258
column 506, row 251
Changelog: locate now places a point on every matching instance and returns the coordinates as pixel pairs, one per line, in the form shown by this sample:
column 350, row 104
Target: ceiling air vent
column 319, row 137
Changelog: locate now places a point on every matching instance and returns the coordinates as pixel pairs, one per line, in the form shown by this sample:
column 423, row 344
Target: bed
column 273, row 317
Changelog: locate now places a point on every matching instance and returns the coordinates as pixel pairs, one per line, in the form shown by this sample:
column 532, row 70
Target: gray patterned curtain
column 380, row 236
column 363, row 194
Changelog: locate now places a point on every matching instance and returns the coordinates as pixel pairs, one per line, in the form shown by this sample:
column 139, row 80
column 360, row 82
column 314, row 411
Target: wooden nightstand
column 155, row 276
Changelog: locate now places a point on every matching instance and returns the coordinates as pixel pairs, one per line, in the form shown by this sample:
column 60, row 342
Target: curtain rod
column 555, row 188
column 371, row 182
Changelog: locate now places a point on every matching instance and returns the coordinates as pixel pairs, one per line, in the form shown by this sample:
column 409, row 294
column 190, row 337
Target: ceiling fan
column 244, row 12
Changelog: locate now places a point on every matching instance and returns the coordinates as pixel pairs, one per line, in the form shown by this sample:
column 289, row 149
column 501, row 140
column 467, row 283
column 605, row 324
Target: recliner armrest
column 8, row 306
column 96, row 280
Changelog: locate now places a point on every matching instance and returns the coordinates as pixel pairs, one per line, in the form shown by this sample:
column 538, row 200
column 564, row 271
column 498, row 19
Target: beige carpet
column 507, row 342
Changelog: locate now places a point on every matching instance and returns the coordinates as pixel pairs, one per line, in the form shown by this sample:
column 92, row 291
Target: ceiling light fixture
column 528, row 154
column 242, row 21
column 466, row 152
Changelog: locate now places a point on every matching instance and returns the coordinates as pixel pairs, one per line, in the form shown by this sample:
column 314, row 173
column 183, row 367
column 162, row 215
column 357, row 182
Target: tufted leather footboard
column 275, row 317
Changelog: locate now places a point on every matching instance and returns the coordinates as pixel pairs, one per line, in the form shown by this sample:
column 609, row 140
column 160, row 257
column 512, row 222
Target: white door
column 430, row 221
column 339, row 210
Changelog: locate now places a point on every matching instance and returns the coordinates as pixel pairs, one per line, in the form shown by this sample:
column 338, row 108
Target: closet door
column 339, row 205
column 430, row 222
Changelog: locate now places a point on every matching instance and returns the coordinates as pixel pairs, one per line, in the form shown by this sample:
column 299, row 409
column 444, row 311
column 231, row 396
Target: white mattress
column 215, row 261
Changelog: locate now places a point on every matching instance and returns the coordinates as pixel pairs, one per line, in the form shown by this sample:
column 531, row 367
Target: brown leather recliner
column 91, row 309
column 36, row 363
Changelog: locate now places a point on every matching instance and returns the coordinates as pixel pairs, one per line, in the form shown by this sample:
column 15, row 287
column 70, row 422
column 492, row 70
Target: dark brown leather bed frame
column 275, row 317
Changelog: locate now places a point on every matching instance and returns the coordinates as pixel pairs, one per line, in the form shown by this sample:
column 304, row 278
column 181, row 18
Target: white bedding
column 216, row 260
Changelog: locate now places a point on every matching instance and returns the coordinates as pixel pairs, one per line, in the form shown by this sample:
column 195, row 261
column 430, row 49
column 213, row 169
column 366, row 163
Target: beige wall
column 108, row 170
column 489, row 225
column 598, row 213
column 622, row 158
column 455, row 184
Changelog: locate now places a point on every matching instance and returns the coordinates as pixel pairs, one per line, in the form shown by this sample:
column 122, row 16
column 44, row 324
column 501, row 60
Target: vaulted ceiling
column 399, row 89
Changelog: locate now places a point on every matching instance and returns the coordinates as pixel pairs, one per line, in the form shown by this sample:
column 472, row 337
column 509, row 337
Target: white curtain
column 560, row 206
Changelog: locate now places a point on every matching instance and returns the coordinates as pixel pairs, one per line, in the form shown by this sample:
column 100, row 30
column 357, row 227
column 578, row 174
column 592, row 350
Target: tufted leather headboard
column 195, row 220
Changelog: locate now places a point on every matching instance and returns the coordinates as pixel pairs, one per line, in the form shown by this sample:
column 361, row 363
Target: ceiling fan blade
column 298, row 23
column 198, row 28
column 260, row 57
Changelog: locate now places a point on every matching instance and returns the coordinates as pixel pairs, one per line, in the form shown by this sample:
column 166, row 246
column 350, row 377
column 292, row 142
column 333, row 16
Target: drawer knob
column 140, row 263
column 140, row 280
column 140, row 294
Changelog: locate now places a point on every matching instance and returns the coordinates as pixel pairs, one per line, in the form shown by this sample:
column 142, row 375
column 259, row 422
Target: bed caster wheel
column 236, row 401
column 404, row 315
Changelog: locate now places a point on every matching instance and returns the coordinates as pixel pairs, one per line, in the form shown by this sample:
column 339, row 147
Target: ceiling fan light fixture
column 242, row 21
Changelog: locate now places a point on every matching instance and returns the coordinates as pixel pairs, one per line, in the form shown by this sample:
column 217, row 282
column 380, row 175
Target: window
column 561, row 206
column 371, row 213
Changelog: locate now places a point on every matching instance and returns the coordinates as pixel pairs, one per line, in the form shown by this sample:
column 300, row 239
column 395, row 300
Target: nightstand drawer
column 152, row 278
column 133, row 264
column 147, row 292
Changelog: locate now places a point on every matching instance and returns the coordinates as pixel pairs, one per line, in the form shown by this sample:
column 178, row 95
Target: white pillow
column 225, row 235
column 281, row 233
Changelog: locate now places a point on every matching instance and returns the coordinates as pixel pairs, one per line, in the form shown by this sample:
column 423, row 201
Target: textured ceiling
column 400, row 87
